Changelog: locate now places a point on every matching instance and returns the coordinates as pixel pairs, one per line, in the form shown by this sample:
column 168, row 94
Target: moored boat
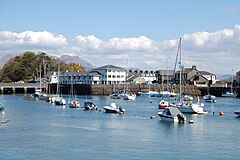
column 88, row 105
column 163, row 104
column 228, row 94
column 113, row 108
column 172, row 114
column 210, row 98
column 1, row 107
column 74, row 104
column 189, row 107
column 129, row 96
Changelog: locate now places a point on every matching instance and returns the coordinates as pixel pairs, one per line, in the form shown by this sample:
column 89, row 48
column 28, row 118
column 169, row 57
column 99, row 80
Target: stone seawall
column 83, row 89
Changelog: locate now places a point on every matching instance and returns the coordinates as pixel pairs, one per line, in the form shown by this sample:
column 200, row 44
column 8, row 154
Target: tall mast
column 232, row 83
column 180, row 66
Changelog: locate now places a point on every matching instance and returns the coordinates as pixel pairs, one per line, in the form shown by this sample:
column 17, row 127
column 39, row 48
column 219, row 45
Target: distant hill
column 66, row 58
column 6, row 58
column 76, row 59
column 225, row 77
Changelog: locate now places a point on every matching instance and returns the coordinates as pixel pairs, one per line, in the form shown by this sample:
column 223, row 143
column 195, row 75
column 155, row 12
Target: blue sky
column 143, row 31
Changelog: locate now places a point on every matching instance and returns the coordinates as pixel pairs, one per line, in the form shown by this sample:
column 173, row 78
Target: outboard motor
column 121, row 109
column 181, row 117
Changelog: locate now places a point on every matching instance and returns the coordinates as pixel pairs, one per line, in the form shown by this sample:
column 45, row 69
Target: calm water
column 38, row 130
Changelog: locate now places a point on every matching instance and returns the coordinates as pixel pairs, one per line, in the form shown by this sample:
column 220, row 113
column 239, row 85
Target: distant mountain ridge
column 76, row 59
column 66, row 58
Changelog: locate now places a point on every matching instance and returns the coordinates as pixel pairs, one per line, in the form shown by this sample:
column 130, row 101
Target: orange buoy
column 221, row 113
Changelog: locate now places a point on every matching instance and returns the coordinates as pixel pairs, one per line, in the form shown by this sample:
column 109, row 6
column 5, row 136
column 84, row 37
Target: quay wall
column 217, row 91
column 83, row 89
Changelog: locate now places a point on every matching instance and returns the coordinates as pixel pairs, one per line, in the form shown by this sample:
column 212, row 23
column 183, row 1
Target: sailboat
column 73, row 102
column 186, row 106
column 38, row 92
column 127, row 95
column 57, row 99
column 231, row 93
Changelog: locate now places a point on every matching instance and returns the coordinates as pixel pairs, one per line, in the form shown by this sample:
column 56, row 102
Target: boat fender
column 221, row 113
column 152, row 117
column 191, row 121
column 150, row 101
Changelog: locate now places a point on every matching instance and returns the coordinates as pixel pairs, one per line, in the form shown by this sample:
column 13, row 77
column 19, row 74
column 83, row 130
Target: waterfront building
column 192, row 76
column 165, row 76
column 53, row 77
column 141, row 77
column 111, row 74
column 91, row 77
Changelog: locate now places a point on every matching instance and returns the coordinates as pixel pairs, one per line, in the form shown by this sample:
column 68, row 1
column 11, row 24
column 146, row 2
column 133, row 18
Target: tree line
column 28, row 66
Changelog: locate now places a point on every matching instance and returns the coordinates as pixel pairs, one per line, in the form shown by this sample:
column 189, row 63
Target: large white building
column 111, row 74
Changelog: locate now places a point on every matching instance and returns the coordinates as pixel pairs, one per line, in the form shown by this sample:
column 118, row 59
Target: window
column 114, row 76
column 109, row 76
column 118, row 76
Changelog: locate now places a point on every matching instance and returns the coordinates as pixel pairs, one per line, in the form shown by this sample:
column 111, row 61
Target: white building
column 80, row 78
column 209, row 76
column 53, row 78
column 111, row 74
column 139, row 76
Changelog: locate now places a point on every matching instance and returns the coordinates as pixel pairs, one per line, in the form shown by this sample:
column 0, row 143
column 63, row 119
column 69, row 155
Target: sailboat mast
column 232, row 83
column 180, row 66
column 40, row 78
column 58, row 79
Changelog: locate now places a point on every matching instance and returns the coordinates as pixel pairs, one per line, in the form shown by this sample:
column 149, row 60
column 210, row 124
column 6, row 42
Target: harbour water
column 37, row 130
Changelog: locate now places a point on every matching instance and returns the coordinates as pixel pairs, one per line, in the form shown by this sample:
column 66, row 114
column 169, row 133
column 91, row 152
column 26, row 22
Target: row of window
column 115, row 71
column 114, row 76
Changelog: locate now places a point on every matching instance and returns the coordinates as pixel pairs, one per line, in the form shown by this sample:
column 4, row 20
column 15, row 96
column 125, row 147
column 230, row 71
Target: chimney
column 194, row 67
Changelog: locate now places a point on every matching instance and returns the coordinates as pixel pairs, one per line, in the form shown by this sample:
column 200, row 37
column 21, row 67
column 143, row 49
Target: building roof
column 205, row 73
column 108, row 67
column 165, row 72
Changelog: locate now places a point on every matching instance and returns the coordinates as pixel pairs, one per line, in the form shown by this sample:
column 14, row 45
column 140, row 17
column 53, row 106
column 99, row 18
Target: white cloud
column 29, row 40
column 91, row 42
column 216, row 52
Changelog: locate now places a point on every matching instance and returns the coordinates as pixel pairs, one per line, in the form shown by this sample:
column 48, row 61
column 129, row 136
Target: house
column 111, row 74
column 141, row 77
column 192, row 76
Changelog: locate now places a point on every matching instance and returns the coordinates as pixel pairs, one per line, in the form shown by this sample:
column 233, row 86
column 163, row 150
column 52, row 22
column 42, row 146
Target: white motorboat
column 113, row 108
column 88, row 105
column 172, row 114
column 237, row 113
column 129, row 96
column 210, row 98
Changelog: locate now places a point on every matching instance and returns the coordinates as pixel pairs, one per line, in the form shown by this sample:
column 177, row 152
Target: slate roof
column 108, row 67
column 205, row 73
